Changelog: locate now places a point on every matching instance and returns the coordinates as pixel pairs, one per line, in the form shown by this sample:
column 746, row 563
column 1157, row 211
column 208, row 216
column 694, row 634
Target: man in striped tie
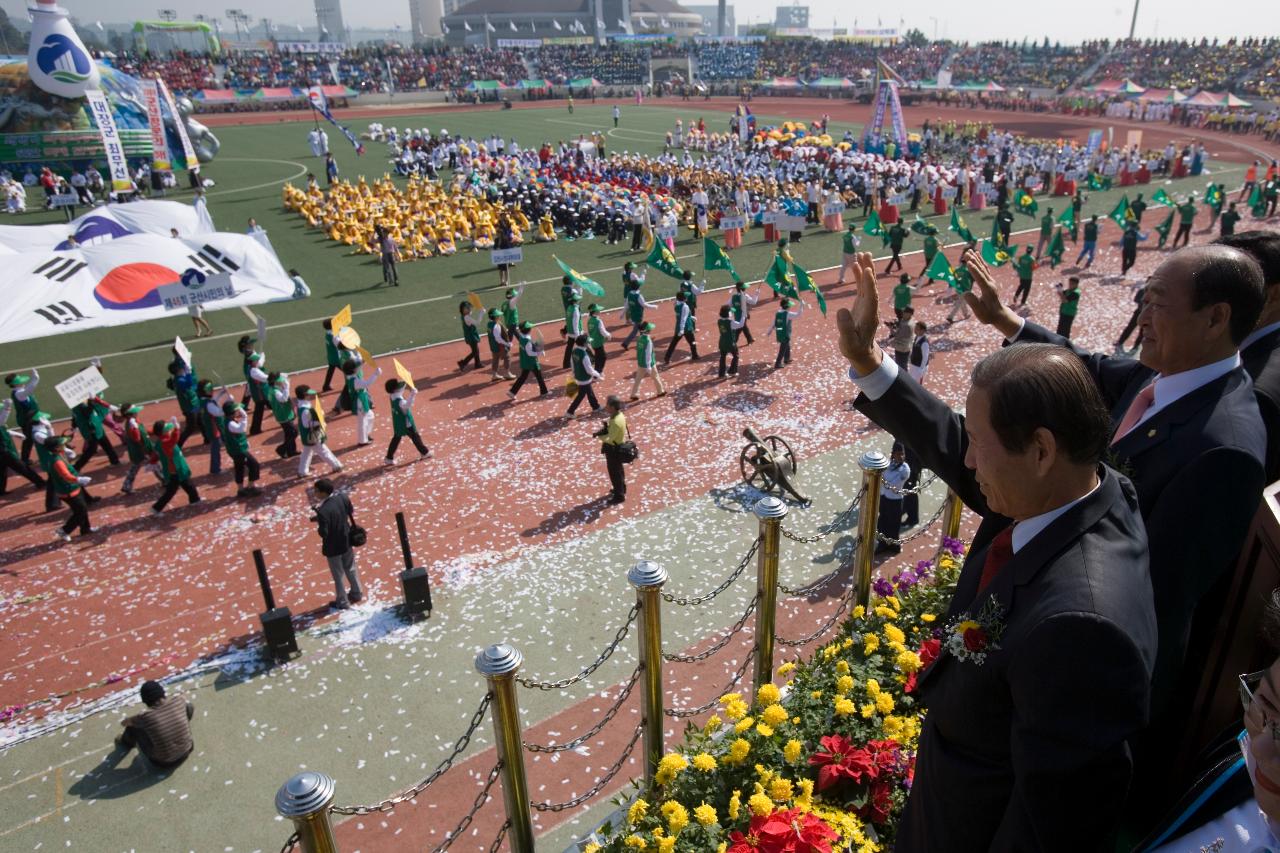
column 1047, row 648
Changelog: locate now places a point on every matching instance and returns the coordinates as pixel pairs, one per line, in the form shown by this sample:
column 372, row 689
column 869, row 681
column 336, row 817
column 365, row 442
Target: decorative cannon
column 768, row 464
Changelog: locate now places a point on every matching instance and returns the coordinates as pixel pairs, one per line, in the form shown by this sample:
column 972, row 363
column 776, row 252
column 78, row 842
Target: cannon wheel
column 781, row 451
column 753, row 473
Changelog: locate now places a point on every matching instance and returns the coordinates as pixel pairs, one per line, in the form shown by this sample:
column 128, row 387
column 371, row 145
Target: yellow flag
column 367, row 356
column 349, row 338
column 405, row 376
column 342, row 318
column 475, row 302
column 317, row 410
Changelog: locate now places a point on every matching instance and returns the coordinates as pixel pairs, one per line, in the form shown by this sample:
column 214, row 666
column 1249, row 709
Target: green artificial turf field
column 256, row 160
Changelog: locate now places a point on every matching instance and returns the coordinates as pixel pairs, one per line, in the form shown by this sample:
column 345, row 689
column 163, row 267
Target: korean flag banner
column 102, row 224
column 131, row 279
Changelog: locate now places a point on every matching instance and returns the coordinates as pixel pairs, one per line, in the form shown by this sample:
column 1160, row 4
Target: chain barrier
column 599, row 662
column 480, row 800
column 502, row 833
column 721, row 643
column 391, row 802
column 826, row 626
column 290, row 843
column 914, row 490
column 703, row 599
column 839, row 522
column 600, row 783
column 821, row 583
column 681, row 713
column 595, row 730
column 919, row 531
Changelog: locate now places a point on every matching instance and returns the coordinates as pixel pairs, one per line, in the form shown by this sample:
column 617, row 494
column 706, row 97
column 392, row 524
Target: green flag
column 777, row 277
column 964, row 281
column 1161, row 197
column 715, row 258
column 1120, row 214
column 663, row 261
column 1056, row 249
column 997, row 255
column 805, row 282
column 873, row 227
column 1025, row 202
column 941, row 270
column 997, row 236
column 1097, row 182
column 592, row 287
column 1164, row 228
column 1257, row 202
column 1213, row 196
column 921, row 227
column 1068, row 218
column 958, row 225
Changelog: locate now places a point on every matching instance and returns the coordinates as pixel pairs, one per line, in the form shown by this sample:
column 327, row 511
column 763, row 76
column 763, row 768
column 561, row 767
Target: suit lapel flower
column 971, row 638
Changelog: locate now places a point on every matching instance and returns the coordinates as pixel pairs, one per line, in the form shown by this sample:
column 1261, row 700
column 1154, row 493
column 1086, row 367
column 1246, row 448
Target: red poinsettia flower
column 770, row 833
column 879, row 802
column 929, row 651
column 813, row 835
column 975, row 639
column 885, row 757
column 842, row 760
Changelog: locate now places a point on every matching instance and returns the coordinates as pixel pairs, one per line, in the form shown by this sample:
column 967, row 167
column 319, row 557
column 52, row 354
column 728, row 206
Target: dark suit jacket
column 1262, row 363
column 1028, row 751
column 1197, row 466
column 334, row 521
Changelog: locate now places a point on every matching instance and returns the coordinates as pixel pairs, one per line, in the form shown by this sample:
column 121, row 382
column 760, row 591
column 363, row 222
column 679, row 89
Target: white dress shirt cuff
column 877, row 382
column 1022, row 324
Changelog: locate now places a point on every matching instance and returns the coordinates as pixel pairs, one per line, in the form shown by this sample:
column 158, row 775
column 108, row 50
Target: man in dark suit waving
column 1260, row 350
column 1185, row 427
column 1025, row 743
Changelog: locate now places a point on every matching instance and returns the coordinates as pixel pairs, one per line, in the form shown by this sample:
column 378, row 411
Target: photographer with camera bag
column 617, row 447
column 339, row 533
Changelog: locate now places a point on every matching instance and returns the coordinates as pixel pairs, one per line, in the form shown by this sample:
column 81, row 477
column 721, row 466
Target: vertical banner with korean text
column 117, row 164
column 159, row 144
column 188, row 152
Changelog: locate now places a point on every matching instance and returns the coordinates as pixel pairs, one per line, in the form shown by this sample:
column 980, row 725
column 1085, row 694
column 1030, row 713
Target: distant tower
column 886, row 112
column 424, row 19
column 329, row 20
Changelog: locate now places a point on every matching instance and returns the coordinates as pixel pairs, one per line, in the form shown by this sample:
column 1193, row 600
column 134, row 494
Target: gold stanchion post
column 770, row 511
column 305, row 800
column 951, row 517
column 499, row 664
column 873, row 463
column 648, row 577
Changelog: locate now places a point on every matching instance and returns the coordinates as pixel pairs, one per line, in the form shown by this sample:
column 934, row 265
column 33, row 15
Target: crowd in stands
column 1027, row 65
column 184, row 73
column 614, row 65
column 1206, row 64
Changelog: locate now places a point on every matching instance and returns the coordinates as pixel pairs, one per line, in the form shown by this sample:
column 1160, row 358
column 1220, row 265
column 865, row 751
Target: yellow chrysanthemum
column 868, row 710
column 760, row 804
column 735, row 805
column 768, row 694
column 966, row 625
column 705, row 815
column 744, row 724
column 677, row 816
column 764, row 730
column 723, row 848
column 713, row 722
column 884, row 703
column 804, row 800
column 870, row 642
column 635, row 842
column 892, row 726
column 637, row 812
column 927, row 617
column 815, row 694
column 735, row 709
column 893, row 602
column 774, row 715
column 844, row 707
column 787, row 668
column 844, row 684
column 908, row 662
column 591, row 848
column 780, row 790
column 705, row 762
column 842, row 667
column 667, row 845
column 738, row 751
column 859, row 612
column 730, row 697
column 894, row 634
column 873, row 688
column 669, row 766
column 886, row 612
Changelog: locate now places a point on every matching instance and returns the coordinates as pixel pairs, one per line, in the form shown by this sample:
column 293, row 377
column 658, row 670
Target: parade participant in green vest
column 740, row 305
column 849, row 252
column 257, row 378
column 584, row 373
column 312, row 432
column 782, row 328
column 182, row 382
column 281, row 401
column 573, row 326
column 646, row 363
column 137, row 445
column 902, row 295
column 897, row 236
column 1227, row 224
column 10, row 459
column 930, row 252
column 685, row 324
column 1068, row 305
column 633, row 311
column 728, row 327
column 530, row 351
column 89, row 420
column 69, row 485
column 42, row 430
column 174, row 470
column 1186, row 218
column 241, row 456
column 1025, row 265
column 211, row 419
column 470, row 336
column 1046, row 231
column 597, row 334
column 357, row 386
column 331, row 357
column 691, row 290
column 511, row 310
column 402, row 423
column 21, row 391
column 499, row 346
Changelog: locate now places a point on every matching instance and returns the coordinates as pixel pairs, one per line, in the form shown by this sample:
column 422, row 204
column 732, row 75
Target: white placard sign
column 728, row 222
column 64, row 200
column 76, row 389
column 897, row 199
column 184, row 352
column 791, row 223
column 948, row 192
column 1032, row 182
column 769, row 217
column 666, row 232
column 195, row 288
column 832, row 208
column 506, row 256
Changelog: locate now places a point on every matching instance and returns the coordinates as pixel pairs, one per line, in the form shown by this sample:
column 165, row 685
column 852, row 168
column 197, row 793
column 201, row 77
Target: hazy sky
column 1082, row 19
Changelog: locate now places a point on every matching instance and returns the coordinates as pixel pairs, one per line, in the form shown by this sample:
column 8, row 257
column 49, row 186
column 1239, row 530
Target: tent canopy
column 784, row 83
column 534, row 83
column 832, row 83
column 485, row 85
column 1216, row 99
column 1162, row 96
column 220, row 96
column 585, row 83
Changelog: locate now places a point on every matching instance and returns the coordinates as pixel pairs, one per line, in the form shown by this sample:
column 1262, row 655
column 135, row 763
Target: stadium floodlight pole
column 1133, row 22
column 167, row 14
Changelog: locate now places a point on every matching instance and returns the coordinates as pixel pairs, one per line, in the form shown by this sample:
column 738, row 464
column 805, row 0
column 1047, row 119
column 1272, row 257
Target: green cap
column 648, row 327
column 20, row 379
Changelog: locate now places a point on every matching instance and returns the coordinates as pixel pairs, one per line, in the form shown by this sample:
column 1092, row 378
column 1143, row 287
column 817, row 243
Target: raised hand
column 859, row 325
column 984, row 299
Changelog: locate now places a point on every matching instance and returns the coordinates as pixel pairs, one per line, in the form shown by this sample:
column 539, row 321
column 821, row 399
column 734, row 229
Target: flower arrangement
column 824, row 767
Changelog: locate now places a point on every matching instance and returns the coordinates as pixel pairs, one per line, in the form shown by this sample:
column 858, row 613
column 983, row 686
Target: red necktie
column 999, row 552
column 1136, row 410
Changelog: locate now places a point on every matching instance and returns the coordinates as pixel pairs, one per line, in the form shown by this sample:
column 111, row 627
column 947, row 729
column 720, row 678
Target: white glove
column 84, row 481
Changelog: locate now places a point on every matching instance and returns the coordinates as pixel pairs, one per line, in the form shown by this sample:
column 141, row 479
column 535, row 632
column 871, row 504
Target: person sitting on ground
column 162, row 733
